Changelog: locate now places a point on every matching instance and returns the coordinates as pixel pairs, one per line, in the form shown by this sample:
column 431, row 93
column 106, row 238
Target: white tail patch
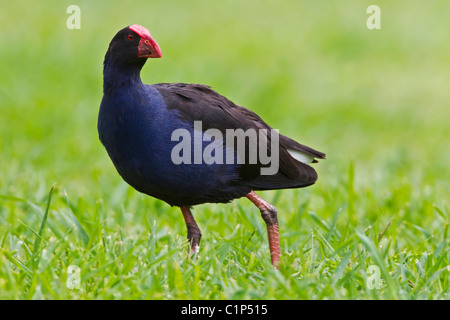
column 300, row 156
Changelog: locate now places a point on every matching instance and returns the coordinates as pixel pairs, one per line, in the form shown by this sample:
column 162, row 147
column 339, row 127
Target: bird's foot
column 193, row 251
column 269, row 215
column 193, row 232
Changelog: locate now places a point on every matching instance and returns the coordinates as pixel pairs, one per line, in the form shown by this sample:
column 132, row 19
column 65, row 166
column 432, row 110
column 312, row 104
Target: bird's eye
column 130, row 37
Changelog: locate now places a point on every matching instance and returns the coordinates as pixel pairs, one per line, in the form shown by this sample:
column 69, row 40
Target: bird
column 141, row 127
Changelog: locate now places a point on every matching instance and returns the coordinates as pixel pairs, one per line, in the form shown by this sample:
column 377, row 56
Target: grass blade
column 378, row 260
column 82, row 234
column 38, row 240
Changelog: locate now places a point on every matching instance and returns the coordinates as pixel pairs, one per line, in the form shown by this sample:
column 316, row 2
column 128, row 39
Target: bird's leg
column 193, row 231
column 269, row 214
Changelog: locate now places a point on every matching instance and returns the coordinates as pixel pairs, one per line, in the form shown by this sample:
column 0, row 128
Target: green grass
column 377, row 102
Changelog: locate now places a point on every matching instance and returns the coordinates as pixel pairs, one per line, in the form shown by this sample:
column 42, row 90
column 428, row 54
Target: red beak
column 148, row 48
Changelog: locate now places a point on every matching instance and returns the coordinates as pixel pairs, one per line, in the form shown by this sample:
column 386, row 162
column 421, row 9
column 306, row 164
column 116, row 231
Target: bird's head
column 133, row 45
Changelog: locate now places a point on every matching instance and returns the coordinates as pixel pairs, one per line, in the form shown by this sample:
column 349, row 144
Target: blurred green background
column 377, row 102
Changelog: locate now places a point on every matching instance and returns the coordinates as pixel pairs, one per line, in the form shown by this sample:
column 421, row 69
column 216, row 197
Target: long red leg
column 269, row 214
column 193, row 231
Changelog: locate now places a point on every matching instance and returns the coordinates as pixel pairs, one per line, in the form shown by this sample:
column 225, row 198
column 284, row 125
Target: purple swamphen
column 137, row 125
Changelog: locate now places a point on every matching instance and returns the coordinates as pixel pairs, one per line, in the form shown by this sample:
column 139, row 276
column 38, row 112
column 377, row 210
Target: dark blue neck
column 117, row 74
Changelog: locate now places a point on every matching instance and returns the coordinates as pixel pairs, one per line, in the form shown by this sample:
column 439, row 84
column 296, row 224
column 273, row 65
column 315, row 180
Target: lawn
column 377, row 102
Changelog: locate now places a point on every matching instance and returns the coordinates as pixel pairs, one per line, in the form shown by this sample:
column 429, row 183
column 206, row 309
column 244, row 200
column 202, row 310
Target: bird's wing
column 195, row 102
